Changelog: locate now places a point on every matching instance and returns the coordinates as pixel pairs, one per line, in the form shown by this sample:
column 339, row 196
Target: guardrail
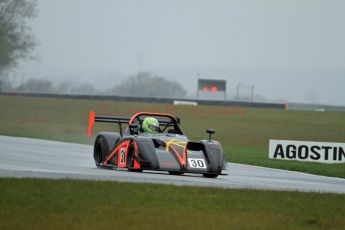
column 151, row 99
column 316, row 107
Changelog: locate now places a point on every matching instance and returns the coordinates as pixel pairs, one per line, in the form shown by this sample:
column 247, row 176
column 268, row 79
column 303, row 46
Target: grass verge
column 259, row 157
column 74, row 204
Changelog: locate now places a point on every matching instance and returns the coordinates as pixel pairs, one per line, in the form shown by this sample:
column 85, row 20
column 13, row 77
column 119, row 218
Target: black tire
column 134, row 170
column 130, row 159
column 176, row 173
column 100, row 151
column 210, row 175
column 104, row 145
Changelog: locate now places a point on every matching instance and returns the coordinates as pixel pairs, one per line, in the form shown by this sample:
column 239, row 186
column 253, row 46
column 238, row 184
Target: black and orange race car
column 167, row 150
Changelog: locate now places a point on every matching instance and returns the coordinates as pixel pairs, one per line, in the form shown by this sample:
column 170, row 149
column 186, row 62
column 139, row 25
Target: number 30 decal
column 196, row 163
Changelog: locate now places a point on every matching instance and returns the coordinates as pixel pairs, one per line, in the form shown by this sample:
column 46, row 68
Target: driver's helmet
column 150, row 125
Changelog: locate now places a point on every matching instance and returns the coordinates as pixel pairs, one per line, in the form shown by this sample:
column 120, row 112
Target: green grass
column 257, row 156
column 244, row 133
column 69, row 204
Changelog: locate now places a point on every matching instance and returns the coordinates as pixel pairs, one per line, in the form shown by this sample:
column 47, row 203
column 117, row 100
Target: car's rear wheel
column 176, row 173
column 209, row 175
column 100, row 151
column 104, row 144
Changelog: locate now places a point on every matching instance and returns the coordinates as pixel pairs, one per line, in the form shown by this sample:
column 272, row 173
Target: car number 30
column 196, row 163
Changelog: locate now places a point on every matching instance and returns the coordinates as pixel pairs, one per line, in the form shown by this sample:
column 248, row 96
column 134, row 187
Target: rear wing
column 109, row 119
column 128, row 120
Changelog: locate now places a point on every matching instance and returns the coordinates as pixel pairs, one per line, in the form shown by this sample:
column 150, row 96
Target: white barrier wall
column 322, row 152
column 177, row 102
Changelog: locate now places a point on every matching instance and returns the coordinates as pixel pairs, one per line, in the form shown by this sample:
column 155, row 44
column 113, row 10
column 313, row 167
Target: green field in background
column 244, row 133
column 74, row 204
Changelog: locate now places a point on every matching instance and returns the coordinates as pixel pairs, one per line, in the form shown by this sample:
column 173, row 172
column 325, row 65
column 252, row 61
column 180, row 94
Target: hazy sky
column 291, row 50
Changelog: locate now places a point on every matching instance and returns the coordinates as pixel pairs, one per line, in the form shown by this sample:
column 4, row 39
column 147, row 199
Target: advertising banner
column 322, row 152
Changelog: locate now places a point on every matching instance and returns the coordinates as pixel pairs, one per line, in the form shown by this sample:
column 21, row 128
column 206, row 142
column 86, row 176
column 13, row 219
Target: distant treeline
column 142, row 84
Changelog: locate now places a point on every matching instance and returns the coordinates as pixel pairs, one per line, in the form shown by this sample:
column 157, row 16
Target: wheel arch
column 213, row 153
column 147, row 152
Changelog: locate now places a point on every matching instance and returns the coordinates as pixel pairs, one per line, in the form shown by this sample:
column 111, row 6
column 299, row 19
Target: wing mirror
column 210, row 132
column 134, row 129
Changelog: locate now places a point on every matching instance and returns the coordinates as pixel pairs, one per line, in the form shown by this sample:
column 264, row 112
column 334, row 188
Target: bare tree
column 16, row 39
column 64, row 87
column 145, row 84
column 83, row 88
column 36, row 86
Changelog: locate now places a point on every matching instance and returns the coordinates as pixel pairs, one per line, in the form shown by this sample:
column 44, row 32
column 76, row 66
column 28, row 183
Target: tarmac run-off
column 35, row 158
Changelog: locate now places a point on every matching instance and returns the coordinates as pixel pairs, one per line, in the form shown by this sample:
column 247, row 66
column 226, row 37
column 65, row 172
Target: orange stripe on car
column 116, row 151
column 136, row 162
column 182, row 159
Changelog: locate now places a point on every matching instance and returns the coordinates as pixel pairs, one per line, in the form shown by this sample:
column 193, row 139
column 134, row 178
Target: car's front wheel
column 210, row 175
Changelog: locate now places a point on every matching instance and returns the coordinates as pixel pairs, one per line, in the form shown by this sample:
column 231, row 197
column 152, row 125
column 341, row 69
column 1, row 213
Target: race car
column 164, row 148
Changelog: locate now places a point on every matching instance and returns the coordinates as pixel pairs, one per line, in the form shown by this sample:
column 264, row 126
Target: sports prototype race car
column 166, row 148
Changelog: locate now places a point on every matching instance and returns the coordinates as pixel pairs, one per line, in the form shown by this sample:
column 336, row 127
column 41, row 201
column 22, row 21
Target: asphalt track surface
column 35, row 158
